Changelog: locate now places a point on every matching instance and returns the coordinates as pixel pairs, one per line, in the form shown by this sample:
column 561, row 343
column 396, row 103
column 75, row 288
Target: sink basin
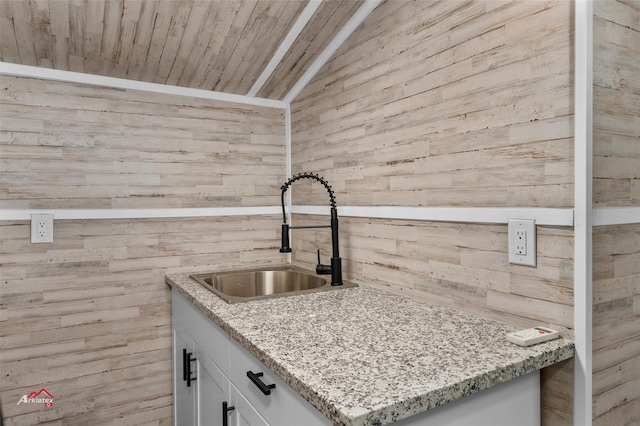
column 246, row 285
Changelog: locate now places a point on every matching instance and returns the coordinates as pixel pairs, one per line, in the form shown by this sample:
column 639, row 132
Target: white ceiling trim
column 286, row 44
column 18, row 70
column 348, row 28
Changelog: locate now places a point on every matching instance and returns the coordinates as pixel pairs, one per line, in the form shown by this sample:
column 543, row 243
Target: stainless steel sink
column 246, row 285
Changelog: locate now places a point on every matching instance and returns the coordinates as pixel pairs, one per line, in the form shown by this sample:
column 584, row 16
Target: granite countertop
column 363, row 356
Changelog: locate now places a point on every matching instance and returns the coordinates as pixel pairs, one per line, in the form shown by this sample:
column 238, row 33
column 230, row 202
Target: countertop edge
column 465, row 387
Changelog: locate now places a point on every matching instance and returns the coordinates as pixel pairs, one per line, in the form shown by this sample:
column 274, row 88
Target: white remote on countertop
column 532, row 336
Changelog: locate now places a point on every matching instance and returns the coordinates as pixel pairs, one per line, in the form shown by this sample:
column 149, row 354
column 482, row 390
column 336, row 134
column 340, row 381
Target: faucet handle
column 322, row 269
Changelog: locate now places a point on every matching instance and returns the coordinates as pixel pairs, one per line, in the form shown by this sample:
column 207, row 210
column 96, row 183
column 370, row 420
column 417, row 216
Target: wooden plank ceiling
column 221, row 45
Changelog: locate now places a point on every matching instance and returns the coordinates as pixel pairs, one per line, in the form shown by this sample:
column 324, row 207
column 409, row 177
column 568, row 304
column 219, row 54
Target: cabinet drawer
column 211, row 338
column 283, row 407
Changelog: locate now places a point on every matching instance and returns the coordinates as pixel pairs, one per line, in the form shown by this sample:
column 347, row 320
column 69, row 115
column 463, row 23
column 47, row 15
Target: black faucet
column 335, row 269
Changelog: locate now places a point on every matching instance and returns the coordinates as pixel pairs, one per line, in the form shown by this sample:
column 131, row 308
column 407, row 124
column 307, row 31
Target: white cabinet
column 200, row 352
column 200, row 388
column 283, row 406
column 219, row 383
column 184, row 397
column 212, row 386
column 516, row 402
column 244, row 414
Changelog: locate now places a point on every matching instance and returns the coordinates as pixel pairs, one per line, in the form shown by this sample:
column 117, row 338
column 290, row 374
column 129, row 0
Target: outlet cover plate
column 41, row 228
column 522, row 242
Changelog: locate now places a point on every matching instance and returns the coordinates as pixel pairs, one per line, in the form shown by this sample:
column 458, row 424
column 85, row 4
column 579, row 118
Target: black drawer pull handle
column 255, row 378
column 186, row 367
column 225, row 413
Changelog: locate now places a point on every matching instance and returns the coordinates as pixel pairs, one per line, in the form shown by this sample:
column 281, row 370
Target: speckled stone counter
column 328, row 347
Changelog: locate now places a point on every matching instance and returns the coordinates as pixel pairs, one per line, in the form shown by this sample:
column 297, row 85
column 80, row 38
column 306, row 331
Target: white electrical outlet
column 41, row 228
column 522, row 241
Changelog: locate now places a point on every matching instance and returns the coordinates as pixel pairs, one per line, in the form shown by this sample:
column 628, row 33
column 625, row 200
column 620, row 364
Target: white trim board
column 89, row 214
column 605, row 216
column 121, row 83
column 287, row 150
column 583, row 204
column 542, row 216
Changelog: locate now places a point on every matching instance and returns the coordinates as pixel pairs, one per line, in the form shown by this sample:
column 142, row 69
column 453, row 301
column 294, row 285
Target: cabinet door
column 212, row 387
column 283, row 406
column 243, row 414
column 184, row 397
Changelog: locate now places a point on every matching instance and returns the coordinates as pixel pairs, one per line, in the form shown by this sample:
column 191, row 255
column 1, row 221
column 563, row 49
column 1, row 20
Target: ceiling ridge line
column 354, row 22
column 301, row 22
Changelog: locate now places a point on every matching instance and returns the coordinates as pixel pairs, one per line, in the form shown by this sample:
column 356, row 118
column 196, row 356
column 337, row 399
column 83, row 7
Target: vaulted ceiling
column 221, row 45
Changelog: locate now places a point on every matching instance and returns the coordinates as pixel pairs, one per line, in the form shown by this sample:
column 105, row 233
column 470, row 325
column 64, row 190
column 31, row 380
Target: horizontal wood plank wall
column 616, row 325
column 449, row 104
column 616, row 249
column 88, row 317
column 616, row 104
column 445, row 104
column 74, row 146
column 459, row 265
